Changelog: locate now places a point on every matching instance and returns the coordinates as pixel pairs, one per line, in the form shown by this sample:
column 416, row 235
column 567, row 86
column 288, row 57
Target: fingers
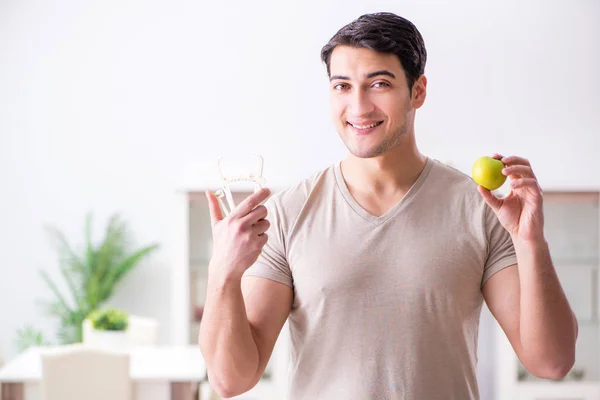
column 216, row 214
column 261, row 226
column 516, row 167
column 263, row 239
column 260, row 212
column 490, row 199
column 524, row 182
column 512, row 160
column 515, row 160
column 249, row 220
column 518, row 171
column 254, row 221
column 250, row 203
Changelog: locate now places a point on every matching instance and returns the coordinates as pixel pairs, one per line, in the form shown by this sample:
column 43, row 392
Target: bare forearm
column 548, row 329
column 226, row 340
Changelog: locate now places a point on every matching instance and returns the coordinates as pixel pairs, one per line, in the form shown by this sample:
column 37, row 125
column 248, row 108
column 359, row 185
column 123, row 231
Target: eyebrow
column 368, row 76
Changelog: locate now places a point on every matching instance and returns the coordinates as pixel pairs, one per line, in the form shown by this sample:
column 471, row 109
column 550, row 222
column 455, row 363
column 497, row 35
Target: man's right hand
column 239, row 238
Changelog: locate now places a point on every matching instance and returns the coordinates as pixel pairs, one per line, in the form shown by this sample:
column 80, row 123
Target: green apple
column 487, row 172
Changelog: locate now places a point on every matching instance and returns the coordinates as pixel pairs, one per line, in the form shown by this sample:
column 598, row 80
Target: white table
column 157, row 373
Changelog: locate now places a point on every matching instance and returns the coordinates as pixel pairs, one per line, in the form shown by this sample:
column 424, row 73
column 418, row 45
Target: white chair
column 76, row 372
column 142, row 331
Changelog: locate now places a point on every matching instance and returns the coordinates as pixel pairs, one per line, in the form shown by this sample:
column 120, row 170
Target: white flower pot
column 116, row 340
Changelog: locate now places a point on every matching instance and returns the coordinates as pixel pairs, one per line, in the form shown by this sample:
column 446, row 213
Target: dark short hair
column 383, row 32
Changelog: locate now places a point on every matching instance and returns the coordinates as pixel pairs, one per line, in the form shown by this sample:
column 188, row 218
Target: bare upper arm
column 502, row 294
column 268, row 304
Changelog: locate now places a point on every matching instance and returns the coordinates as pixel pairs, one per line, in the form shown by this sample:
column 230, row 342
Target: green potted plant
column 91, row 273
column 108, row 328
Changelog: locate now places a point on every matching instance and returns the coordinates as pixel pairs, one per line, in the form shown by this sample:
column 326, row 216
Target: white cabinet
column 572, row 228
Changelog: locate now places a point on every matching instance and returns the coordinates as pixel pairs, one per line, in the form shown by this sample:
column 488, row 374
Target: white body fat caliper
column 255, row 178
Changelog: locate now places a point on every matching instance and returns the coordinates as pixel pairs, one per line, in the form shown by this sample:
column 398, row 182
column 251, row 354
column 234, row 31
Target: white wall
column 107, row 105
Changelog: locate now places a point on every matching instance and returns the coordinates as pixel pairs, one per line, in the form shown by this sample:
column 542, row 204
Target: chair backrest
column 77, row 372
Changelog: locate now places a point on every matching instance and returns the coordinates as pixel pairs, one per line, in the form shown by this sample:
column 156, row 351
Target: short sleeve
column 272, row 263
column 500, row 248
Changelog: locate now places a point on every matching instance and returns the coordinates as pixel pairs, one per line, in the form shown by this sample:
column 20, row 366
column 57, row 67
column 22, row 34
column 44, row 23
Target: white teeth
column 365, row 126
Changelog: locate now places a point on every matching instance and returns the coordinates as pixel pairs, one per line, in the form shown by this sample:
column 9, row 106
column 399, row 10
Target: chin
column 373, row 149
column 370, row 152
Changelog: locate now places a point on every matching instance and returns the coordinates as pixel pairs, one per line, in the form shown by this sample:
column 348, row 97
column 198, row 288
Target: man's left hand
column 521, row 211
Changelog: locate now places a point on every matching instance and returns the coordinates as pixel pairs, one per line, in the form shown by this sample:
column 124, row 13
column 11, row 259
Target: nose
column 361, row 104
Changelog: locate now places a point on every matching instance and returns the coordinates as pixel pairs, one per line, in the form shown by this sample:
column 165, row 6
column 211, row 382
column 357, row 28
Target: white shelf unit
column 192, row 253
column 572, row 228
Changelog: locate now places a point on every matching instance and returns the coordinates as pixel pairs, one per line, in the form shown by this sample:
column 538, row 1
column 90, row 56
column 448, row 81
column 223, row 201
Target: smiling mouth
column 365, row 127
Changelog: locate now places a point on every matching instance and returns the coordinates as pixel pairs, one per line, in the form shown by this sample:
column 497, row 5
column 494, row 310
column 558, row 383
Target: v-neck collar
column 406, row 199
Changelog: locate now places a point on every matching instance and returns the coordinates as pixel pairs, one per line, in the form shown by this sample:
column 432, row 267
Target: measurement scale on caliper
column 255, row 178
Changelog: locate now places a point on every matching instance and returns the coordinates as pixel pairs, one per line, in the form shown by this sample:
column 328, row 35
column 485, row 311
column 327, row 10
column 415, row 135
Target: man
column 382, row 261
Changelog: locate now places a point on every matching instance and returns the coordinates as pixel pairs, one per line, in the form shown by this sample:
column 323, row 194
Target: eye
column 340, row 87
column 381, row 85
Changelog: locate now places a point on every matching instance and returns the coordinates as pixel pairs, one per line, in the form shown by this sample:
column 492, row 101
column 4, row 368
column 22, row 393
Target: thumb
column 216, row 214
column 490, row 199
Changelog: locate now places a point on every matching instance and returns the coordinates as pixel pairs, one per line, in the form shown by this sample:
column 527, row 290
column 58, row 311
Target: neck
column 392, row 172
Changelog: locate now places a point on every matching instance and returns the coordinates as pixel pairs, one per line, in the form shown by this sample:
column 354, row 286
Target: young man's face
column 371, row 103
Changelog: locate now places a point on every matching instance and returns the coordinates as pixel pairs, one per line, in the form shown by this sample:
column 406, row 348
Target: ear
column 419, row 91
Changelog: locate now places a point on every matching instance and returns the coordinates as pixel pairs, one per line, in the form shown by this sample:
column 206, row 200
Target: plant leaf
column 66, row 253
column 57, row 309
column 118, row 272
column 71, row 266
column 109, row 252
column 55, row 290
column 72, row 282
column 90, row 251
column 28, row 336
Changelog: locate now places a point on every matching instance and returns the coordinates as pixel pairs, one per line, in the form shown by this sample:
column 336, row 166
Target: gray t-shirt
column 385, row 307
